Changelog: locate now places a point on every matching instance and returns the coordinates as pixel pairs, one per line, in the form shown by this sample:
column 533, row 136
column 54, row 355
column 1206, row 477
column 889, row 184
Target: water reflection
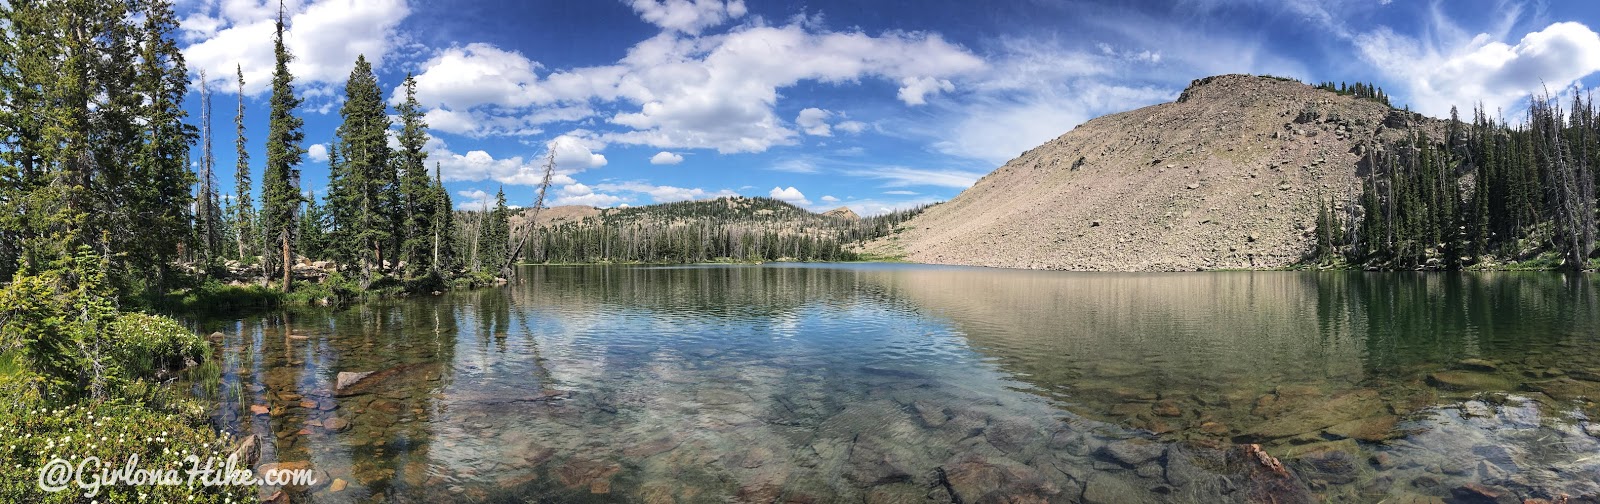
column 894, row 383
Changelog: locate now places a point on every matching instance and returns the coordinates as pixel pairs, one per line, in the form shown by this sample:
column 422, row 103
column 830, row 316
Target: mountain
column 842, row 213
column 1228, row 176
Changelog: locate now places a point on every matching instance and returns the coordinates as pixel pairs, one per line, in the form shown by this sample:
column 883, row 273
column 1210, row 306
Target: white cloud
column 688, row 16
column 579, row 194
column 663, row 193
column 814, row 122
column 666, row 158
column 830, row 199
column 477, row 165
column 474, row 199
column 790, row 195
column 317, row 152
column 901, row 192
column 851, row 127
column 1439, row 75
column 794, row 165
column 915, row 90
column 1034, row 93
column 679, row 92
column 325, row 37
column 900, row 176
column 574, row 152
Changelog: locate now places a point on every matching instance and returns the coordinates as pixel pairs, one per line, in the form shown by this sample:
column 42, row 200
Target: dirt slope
column 1226, row 177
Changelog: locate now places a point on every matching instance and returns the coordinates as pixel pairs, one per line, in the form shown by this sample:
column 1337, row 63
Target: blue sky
column 868, row 104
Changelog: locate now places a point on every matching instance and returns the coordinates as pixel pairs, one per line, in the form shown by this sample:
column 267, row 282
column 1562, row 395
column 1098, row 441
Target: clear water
column 907, row 383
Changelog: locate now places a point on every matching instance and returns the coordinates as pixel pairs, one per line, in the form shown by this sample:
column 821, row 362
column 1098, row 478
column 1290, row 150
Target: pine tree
column 159, row 196
column 493, row 242
column 279, row 196
column 420, row 249
column 313, row 239
column 248, row 239
column 443, row 226
column 360, row 184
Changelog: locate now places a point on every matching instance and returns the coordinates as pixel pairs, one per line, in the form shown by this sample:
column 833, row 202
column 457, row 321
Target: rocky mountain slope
column 1228, row 176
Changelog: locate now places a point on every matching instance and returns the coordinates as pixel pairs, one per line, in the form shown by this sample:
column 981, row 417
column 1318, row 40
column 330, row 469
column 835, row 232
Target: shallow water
column 907, row 383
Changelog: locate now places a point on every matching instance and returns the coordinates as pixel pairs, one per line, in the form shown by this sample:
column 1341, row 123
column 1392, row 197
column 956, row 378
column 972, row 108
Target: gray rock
column 1131, row 452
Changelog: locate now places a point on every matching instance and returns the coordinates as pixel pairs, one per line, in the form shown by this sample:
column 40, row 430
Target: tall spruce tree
column 248, row 240
column 158, row 196
column 360, row 186
column 419, row 250
column 443, row 226
column 280, row 198
column 495, row 234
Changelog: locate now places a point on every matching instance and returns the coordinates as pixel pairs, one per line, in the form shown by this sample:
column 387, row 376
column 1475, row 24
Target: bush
column 146, row 345
column 35, row 432
column 217, row 297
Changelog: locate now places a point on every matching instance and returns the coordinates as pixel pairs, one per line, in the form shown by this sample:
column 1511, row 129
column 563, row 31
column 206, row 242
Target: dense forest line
column 724, row 229
column 1489, row 191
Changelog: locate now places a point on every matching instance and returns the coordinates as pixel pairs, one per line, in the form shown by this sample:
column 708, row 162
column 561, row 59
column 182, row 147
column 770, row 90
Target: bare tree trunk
column 533, row 221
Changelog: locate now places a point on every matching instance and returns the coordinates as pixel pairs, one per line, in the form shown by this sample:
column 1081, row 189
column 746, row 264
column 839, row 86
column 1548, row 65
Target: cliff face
column 1228, row 176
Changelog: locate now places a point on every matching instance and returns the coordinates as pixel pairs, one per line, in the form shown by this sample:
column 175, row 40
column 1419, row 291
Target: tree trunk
column 288, row 266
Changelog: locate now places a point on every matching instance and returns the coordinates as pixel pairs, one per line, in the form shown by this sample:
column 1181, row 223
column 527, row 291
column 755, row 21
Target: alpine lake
column 883, row 383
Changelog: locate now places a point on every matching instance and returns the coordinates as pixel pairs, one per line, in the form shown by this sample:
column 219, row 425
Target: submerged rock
column 1131, row 452
column 1468, row 381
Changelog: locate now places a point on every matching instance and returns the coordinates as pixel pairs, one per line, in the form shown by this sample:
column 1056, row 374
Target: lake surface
column 909, row 383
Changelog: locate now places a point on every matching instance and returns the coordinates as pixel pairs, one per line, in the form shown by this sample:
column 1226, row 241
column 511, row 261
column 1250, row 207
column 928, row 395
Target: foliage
column 280, row 195
column 362, row 182
column 421, row 248
column 1360, row 90
column 724, row 229
column 1487, row 190
column 38, row 430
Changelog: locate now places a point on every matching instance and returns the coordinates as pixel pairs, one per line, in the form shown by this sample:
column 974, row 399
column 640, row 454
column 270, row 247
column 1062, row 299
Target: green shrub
column 32, row 433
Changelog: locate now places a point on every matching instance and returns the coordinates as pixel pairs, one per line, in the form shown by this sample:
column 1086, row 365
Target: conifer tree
column 360, row 183
column 243, row 203
column 493, row 242
column 158, row 196
column 280, row 198
column 420, row 246
column 443, row 226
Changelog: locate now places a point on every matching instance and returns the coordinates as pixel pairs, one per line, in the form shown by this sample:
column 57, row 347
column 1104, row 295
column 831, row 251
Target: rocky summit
column 1226, row 176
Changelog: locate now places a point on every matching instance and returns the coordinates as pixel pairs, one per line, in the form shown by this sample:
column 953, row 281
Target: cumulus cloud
column 580, row 194
column 791, row 195
column 666, row 158
column 830, row 199
column 915, row 90
column 688, row 16
column 576, row 153
column 674, row 91
column 474, row 199
column 814, row 122
column 324, row 35
column 1439, row 75
column 317, row 152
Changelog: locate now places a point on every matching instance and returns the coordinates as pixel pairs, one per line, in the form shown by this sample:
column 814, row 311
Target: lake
column 911, row 383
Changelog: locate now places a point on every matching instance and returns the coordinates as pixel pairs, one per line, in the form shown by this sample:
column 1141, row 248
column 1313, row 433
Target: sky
column 873, row 105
